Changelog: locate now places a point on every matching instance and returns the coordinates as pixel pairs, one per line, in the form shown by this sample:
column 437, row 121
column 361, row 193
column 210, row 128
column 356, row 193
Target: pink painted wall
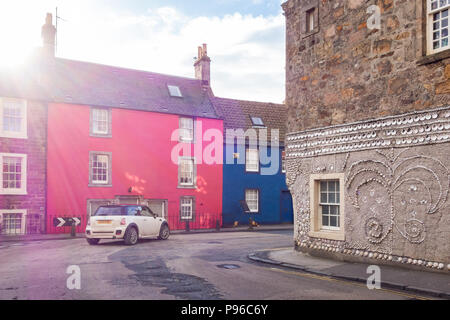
column 141, row 158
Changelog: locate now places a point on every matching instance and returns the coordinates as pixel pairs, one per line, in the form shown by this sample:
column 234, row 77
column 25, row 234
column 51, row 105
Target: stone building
column 368, row 93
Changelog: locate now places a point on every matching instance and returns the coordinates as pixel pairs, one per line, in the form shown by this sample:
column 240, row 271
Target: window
column 13, row 178
column 186, row 129
column 327, row 207
column 175, row 91
column 13, row 222
column 186, row 172
column 187, row 208
column 252, row 199
column 283, row 161
column 13, row 118
column 100, row 122
column 100, row 169
column 252, row 160
column 310, row 22
column 329, row 204
column 257, row 122
column 437, row 20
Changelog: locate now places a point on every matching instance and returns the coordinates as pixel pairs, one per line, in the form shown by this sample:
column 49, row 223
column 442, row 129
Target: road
column 195, row 266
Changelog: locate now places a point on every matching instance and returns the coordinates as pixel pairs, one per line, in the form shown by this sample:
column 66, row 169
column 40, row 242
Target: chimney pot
column 203, row 65
column 48, row 34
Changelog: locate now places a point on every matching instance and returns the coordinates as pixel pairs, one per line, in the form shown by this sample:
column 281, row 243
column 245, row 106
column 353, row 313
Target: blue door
column 287, row 209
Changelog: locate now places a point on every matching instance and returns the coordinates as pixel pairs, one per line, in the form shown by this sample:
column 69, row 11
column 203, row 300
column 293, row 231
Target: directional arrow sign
column 66, row 222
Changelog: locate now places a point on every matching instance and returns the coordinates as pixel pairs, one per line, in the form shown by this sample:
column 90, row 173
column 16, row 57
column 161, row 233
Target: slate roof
column 237, row 114
column 75, row 82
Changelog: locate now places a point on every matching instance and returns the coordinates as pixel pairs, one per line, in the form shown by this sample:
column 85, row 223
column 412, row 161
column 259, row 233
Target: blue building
column 254, row 181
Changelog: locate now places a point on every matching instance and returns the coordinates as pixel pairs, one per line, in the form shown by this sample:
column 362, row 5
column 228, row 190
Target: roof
column 76, row 82
column 237, row 114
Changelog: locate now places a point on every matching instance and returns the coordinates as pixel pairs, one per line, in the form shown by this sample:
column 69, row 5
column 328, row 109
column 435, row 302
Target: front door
column 287, row 209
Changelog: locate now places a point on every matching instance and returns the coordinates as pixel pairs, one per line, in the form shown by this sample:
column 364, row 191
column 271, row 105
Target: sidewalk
column 421, row 282
column 45, row 237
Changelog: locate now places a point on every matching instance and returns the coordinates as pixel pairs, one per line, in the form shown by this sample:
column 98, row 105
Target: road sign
column 66, row 222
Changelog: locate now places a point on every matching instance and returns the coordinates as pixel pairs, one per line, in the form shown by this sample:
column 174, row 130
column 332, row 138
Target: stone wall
column 35, row 148
column 396, row 188
column 343, row 71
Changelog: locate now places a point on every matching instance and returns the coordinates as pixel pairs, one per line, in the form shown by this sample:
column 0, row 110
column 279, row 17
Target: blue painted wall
column 275, row 202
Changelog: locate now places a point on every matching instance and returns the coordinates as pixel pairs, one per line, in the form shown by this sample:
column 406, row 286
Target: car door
column 140, row 220
column 151, row 222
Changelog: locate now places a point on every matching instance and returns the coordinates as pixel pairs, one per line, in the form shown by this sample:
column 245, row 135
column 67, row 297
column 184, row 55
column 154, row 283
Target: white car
column 127, row 222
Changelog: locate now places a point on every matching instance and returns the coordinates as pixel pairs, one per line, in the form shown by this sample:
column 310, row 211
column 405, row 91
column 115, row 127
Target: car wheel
column 131, row 237
column 164, row 233
column 93, row 242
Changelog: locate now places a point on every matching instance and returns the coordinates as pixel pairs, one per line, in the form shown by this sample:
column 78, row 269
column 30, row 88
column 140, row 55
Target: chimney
column 203, row 66
column 48, row 35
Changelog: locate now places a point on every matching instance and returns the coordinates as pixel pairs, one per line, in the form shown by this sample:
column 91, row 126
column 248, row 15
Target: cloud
column 247, row 51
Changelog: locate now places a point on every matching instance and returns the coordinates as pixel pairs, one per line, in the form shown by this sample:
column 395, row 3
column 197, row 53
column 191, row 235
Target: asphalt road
column 196, row 266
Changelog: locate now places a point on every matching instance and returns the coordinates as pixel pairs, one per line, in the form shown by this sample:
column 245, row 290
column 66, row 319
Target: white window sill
column 13, row 193
column 328, row 234
column 13, row 136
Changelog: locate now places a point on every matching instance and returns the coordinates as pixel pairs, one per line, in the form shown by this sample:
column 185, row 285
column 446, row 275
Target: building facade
column 368, row 93
column 253, row 172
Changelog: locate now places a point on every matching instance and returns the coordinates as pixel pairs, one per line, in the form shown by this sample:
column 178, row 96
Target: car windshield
column 118, row 211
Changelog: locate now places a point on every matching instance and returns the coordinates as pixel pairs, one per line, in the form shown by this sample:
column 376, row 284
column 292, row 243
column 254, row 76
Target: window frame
column 192, row 205
column 283, row 161
column 24, row 166
column 23, row 226
column 192, row 185
column 329, row 204
column 92, row 121
column 247, row 154
column 317, row 230
column 23, row 134
column 429, row 27
column 177, row 94
column 93, row 183
column 180, row 128
column 258, row 199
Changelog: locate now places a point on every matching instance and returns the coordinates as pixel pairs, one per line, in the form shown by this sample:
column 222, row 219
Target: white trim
column 247, row 158
column 187, row 205
column 257, row 200
column 23, row 134
column 23, row 189
column 429, row 35
column 24, row 219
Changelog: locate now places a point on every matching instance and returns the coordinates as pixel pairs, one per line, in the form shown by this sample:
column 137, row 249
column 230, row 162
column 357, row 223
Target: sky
column 246, row 38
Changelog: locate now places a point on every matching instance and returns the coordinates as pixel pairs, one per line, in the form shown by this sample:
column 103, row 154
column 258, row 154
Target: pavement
column 420, row 282
column 65, row 236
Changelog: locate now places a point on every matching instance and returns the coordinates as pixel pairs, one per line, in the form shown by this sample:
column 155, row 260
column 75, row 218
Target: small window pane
column 323, row 198
column 175, row 91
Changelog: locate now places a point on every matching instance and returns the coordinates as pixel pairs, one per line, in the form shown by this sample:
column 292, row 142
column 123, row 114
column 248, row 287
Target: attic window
column 175, row 91
column 257, row 122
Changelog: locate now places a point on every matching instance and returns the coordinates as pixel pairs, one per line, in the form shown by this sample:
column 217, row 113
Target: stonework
column 346, row 72
column 35, row 147
column 371, row 104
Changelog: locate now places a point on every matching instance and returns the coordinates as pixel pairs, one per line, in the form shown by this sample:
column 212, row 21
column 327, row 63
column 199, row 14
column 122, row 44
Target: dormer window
column 257, row 122
column 175, row 91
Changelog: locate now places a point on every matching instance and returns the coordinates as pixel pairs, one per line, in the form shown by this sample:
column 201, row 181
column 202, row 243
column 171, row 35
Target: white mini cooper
column 127, row 222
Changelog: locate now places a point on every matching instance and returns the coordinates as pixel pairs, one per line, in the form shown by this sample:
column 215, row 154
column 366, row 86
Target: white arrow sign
column 77, row 221
column 61, row 222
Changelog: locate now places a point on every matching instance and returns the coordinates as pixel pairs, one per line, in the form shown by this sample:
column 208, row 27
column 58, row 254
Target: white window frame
column 283, row 161
column 93, row 122
column 256, row 191
column 14, row 191
column 317, row 230
column 430, row 32
column 249, row 164
column 187, row 205
column 23, row 134
column 175, row 91
column 310, row 20
column 183, row 130
column 194, row 172
column 23, row 227
column 329, row 204
column 100, row 183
